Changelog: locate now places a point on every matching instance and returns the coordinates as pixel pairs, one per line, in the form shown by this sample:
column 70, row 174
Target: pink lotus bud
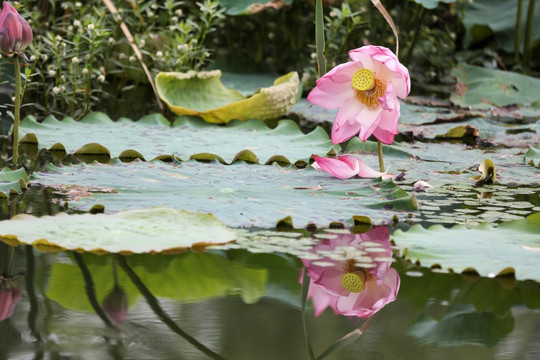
column 115, row 305
column 15, row 32
column 10, row 293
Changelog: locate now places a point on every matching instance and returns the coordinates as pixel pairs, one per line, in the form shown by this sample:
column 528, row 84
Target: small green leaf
column 12, row 181
column 532, row 157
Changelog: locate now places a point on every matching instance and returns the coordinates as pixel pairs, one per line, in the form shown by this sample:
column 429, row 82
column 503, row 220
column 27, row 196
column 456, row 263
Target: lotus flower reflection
column 347, row 166
column 366, row 91
column 115, row 305
column 360, row 282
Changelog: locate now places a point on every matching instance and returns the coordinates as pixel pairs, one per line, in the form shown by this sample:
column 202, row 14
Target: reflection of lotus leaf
column 203, row 94
column 188, row 277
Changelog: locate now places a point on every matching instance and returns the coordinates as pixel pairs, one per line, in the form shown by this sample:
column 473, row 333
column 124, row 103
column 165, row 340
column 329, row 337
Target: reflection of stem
column 154, row 304
column 90, row 293
column 34, row 306
column 379, row 151
column 305, row 289
column 16, row 111
column 115, row 273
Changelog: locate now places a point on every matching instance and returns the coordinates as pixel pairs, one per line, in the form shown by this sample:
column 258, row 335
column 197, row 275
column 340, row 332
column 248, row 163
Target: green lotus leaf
column 204, row 275
column 483, row 21
column 511, row 248
column 432, row 4
column 12, row 181
column 152, row 137
column 238, row 7
column 203, row 94
column 154, row 230
column 481, row 87
column 532, row 157
column 240, row 194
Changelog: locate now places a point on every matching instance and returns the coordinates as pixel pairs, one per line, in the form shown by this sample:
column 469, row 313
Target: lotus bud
column 115, row 305
column 15, row 32
column 10, row 293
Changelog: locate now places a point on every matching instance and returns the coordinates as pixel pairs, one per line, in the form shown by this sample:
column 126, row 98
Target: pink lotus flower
column 362, row 282
column 115, row 305
column 347, row 166
column 366, row 91
column 10, row 293
column 15, row 32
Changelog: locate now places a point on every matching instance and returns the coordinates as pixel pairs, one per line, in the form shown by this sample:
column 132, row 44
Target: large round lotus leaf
column 203, row 94
column 203, row 275
column 482, row 87
column 241, row 195
column 12, row 181
column 513, row 247
column 153, row 137
column 153, row 230
column 454, row 197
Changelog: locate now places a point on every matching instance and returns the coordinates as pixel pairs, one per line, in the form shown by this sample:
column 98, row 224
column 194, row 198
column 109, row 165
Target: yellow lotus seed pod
column 363, row 80
column 352, row 282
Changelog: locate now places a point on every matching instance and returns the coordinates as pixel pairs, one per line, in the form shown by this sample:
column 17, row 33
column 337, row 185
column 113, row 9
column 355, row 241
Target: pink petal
column 345, row 125
column 321, row 299
column 369, row 120
column 389, row 99
column 335, row 167
column 397, row 73
column 388, row 125
column 334, row 87
column 363, row 170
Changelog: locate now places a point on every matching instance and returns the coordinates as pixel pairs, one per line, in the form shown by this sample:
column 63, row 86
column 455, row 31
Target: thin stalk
column 155, row 306
column 380, row 152
column 16, row 111
column 388, row 18
column 34, row 305
column 517, row 40
column 305, row 288
column 528, row 33
column 319, row 38
column 419, row 22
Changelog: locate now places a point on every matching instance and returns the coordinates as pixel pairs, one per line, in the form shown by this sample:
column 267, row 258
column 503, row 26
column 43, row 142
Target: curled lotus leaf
column 12, row 181
column 532, row 156
column 203, row 94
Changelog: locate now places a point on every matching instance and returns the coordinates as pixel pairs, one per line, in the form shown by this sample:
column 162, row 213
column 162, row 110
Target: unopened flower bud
column 15, row 32
column 10, row 293
column 115, row 305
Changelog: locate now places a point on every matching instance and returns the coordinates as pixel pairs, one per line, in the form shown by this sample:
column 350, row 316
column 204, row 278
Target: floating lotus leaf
column 483, row 21
column 12, row 181
column 155, row 230
column 204, row 276
column 241, row 195
column 152, row 137
column 203, row 94
column 511, row 248
column 532, row 157
column 482, row 87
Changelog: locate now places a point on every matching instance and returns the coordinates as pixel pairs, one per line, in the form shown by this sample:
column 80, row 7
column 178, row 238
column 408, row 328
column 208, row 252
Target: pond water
column 183, row 306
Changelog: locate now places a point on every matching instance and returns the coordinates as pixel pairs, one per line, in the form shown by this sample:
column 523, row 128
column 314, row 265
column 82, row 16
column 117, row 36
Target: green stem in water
column 528, row 35
column 517, row 40
column 319, row 38
column 16, row 111
column 379, row 151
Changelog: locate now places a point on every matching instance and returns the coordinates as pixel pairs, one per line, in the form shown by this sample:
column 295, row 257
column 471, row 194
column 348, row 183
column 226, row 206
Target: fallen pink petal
column 366, row 91
column 347, row 166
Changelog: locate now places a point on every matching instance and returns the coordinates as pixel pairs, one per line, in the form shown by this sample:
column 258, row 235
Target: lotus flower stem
column 380, row 153
column 517, row 40
column 528, row 33
column 34, row 305
column 16, row 111
column 319, row 38
column 419, row 22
